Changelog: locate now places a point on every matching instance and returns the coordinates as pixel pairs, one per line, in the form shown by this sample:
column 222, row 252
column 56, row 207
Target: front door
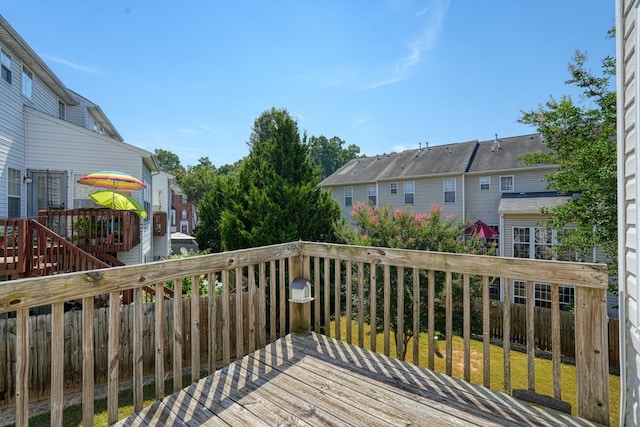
column 47, row 191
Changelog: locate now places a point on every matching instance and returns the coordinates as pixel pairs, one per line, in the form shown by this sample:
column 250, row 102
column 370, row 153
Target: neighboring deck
column 311, row 379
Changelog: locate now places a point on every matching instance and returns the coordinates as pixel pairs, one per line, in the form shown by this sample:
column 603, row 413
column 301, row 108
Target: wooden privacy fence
column 40, row 351
column 543, row 331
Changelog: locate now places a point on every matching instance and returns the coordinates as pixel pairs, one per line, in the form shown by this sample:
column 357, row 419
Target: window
column 183, row 199
column 184, row 214
column 348, row 196
column 543, row 243
column 542, row 294
column 519, row 292
column 506, row 183
column 449, row 187
column 97, row 127
column 173, row 217
column 27, row 82
column 5, row 62
column 62, row 110
column 494, row 290
column 14, row 192
column 393, row 188
column 485, row 183
column 521, row 242
column 540, row 247
column 409, row 192
column 372, row 193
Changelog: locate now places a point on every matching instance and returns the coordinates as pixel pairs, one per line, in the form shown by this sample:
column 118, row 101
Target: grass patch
column 519, row 372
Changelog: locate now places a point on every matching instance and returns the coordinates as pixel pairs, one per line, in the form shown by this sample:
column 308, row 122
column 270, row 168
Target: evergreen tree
column 277, row 198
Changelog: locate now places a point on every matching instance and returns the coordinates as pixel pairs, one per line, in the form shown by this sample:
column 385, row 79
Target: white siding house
column 628, row 91
column 50, row 136
column 162, row 182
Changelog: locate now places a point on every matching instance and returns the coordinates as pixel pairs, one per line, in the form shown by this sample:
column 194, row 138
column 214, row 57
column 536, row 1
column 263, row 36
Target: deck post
column 592, row 357
column 299, row 297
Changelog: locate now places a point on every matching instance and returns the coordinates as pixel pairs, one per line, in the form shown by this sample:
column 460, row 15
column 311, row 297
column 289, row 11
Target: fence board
column 40, row 331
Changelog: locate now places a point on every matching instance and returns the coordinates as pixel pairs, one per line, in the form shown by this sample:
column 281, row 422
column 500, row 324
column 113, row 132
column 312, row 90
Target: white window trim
column 62, row 107
column 536, row 286
column 532, row 241
column 11, row 195
column 374, row 194
column 26, row 82
column 412, row 192
column 350, row 196
column 393, row 188
column 485, row 177
column 444, row 190
column 7, row 61
column 513, row 184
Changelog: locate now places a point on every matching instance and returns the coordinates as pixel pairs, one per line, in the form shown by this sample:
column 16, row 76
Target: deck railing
column 95, row 229
column 28, row 249
column 371, row 289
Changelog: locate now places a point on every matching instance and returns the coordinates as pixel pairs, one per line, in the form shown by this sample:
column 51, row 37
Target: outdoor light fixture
column 300, row 290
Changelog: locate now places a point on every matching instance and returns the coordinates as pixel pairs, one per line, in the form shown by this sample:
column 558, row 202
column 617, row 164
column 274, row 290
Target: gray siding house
column 50, row 136
column 628, row 66
column 475, row 180
column 468, row 179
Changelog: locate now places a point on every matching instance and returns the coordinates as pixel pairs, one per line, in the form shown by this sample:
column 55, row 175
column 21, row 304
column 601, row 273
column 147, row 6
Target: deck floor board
column 311, row 380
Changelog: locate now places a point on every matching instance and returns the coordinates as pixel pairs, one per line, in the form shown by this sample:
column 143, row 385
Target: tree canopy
column 581, row 136
column 329, row 154
column 169, row 162
column 276, row 198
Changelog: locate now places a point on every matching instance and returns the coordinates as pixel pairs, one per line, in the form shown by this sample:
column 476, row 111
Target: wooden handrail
column 95, row 229
column 363, row 277
column 27, row 248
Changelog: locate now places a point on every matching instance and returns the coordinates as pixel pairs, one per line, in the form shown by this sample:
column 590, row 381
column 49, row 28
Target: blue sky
column 191, row 77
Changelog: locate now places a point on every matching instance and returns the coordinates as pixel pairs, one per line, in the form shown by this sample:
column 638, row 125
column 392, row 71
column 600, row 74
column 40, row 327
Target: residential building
column 182, row 212
column 474, row 180
column 51, row 136
column 162, row 195
column 628, row 66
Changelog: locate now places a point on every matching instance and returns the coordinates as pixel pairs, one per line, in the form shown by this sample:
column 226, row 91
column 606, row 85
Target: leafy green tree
column 329, row 154
column 198, row 179
column 581, row 136
column 277, row 198
column 169, row 162
column 403, row 229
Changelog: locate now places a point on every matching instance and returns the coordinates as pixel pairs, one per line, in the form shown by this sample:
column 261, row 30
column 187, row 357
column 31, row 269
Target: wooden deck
column 311, row 380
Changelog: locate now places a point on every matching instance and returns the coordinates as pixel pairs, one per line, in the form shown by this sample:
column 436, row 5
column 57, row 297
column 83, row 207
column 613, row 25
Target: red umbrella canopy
column 481, row 230
column 112, row 179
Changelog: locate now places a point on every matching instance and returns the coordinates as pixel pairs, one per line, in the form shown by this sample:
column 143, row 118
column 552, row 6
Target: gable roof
column 438, row 160
column 506, row 153
column 463, row 157
column 18, row 47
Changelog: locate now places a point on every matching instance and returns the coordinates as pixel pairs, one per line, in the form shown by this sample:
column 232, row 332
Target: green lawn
column 543, row 367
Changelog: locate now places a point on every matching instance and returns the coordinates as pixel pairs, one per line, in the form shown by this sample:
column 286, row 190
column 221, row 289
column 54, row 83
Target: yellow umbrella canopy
column 119, row 201
column 112, row 179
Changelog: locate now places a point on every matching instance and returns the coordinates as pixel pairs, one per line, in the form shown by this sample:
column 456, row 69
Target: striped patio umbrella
column 112, row 179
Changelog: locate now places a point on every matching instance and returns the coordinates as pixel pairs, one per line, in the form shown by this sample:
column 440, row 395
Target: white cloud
column 71, row 64
column 434, row 16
